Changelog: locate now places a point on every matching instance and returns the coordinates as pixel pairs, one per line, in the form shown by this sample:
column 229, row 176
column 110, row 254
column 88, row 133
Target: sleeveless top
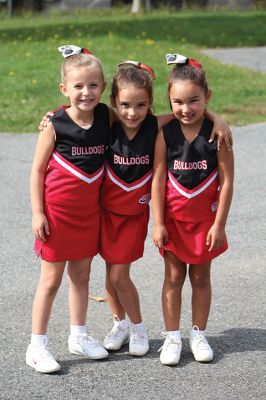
column 127, row 184
column 75, row 169
column 192, row 188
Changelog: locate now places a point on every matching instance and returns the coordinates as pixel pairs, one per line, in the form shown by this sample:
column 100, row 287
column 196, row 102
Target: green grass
column 30, row 62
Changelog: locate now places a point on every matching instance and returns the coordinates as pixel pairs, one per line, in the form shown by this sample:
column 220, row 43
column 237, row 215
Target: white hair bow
column 182, row 60
column 175, row 59
column 70, row 50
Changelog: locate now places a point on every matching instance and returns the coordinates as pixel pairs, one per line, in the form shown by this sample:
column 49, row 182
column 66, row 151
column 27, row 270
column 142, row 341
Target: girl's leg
column 49, row 283
column 112, row 296
column 129, row 299
column 201, row 301
column 119, row 334
column 126, row 291
column 37, row 355
column 174, row 278
column 78, row 278
column 79, row 342
column 201, row 294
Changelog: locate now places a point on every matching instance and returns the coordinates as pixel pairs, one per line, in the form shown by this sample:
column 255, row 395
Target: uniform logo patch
column 214, row 206
column 145, row 198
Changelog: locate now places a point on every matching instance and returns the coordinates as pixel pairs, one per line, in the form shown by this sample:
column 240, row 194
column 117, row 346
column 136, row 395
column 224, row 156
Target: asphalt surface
column 236, row 329
column 253, row 58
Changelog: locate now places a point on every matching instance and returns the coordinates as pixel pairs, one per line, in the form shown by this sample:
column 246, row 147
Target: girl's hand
column 160, row 236
column 216, row 237
column 45, row 120
column 40, row 226
column 223, row 132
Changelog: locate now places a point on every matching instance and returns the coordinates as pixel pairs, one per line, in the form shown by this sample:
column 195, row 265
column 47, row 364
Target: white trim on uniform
column 126, row 188
column 197, row 192
column 76, row 173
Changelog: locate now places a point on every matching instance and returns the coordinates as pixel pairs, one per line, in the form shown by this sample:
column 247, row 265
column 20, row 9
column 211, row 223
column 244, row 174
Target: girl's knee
column 199, row 275
column 175, row 273
column 200, row 281
column 50, row 285
column 119, row 281
column 79, row 279
column 174, row 280
column 79, row 272
column 51, row 276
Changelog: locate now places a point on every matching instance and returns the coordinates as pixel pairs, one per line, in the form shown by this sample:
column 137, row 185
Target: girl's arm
column 112, row 116
column 44, row 148
column 220, row 129
column 45, row 120
column 216, row 235
column 163, row 120
column 160, row 235
column 47, row 117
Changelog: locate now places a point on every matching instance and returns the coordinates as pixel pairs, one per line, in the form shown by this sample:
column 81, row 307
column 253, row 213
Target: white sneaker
column 139, row 341
column 170, row 350
column 41, row 359
column 200, row 347
column 86, row 346
column 118, row 336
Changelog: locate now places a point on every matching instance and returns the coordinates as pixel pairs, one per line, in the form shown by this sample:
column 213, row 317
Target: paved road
column 237, row 328
column 253, row 58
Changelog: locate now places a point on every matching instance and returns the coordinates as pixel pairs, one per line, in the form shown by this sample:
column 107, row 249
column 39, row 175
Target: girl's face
column 132, row 105
column 188, row 102
column 84, row 86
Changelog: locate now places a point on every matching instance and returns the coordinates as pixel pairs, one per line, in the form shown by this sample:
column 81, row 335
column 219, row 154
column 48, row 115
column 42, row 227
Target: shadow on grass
column 210, row 30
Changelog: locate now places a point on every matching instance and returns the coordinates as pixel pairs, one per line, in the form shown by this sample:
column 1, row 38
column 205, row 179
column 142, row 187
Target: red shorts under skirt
column 187, row 241
column 122, row 237
column 74, row 233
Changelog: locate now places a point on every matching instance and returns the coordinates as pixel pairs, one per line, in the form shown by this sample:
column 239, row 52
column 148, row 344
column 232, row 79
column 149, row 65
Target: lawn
column 30, row 61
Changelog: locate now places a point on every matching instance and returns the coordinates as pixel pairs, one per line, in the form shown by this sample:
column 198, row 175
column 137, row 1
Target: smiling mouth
column 86, row 100
column 190, row 116
column 133, row 120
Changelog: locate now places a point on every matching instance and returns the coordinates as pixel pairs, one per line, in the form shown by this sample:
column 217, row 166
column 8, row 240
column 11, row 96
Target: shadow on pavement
column 236, row 340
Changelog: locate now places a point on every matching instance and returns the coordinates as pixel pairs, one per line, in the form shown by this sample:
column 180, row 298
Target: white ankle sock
column 138, row 326
column 38, row 340
column 123, row 323
column 195, row 332
column 77, row 330
column 174, row 334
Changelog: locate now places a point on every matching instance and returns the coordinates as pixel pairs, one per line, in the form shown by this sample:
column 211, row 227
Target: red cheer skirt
column 187, row 241
column 74, row 233
column 122, row 237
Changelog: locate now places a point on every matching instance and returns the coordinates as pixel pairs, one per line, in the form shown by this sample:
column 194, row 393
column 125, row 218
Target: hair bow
column 139, row 65
column 70, row 50
column 182, row 60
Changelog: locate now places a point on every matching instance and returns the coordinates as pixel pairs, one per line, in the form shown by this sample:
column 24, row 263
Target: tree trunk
column 135, row 6
column 147, row 5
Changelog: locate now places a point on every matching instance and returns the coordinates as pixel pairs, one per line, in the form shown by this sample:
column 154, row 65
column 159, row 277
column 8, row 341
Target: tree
column 36, row 5
column 136, row 6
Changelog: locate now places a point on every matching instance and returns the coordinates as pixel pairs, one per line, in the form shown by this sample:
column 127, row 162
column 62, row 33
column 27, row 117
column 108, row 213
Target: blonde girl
column 65, row 182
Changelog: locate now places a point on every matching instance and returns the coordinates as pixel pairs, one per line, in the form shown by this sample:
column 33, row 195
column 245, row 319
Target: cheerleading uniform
column 192, row 193
column 72, row 188
column 126, row 193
